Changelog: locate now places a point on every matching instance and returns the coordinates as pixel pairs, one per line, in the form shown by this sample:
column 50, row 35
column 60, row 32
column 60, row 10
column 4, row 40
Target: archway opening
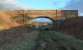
column 42, row 22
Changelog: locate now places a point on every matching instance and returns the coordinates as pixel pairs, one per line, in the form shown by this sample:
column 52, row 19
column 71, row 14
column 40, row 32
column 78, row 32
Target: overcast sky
column 43, row 4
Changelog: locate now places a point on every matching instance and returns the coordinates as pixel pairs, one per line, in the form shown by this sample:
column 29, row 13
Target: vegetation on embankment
column 51, row 40
column 22, row 38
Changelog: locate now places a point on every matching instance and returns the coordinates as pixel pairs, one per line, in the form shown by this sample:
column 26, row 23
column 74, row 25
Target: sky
column 42, row 20
column 52, row 4
column 43, row 4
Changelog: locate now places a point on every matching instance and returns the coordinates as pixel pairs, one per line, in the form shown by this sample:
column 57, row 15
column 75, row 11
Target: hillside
column 14, row 38
column 5, row 21
column 21, row 38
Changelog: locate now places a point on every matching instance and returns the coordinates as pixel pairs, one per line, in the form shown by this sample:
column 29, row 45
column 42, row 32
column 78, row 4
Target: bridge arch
column 42, row 20
column 46, row 17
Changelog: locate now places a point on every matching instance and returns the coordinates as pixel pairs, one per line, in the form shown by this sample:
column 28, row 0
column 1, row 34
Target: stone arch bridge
column 54, row 14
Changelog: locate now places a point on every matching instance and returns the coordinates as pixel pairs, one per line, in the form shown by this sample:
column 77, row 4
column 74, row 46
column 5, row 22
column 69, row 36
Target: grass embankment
column 24, row 39
column 52, row 40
